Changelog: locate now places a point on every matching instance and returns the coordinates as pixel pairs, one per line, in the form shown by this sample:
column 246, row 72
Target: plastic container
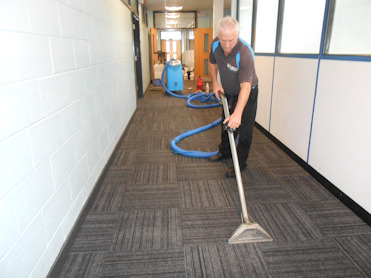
column 158, row 68
column 199, row 84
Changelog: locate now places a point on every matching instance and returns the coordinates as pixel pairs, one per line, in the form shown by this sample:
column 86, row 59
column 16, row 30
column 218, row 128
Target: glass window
column 206, row 43
column 245, row 19
column 302, row 26
column 206, row 67
column 266, row 26
column 191, row 34
column 351, row 28
column 171, row 35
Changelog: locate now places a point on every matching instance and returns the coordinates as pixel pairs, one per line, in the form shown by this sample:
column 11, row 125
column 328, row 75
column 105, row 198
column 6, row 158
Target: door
column 137, row 57
column 154, row 50
column 203, row 40
column 172, row 48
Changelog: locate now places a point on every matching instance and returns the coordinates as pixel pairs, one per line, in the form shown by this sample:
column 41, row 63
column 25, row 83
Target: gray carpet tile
column 224, row 260
column 108, row 199
column 256, row 170
column 209, row 225
column 358, row 250
column 334, row 219
column 122, row 158
column 148, row 230
column 307, row 259
column 97, row 233
column 82, row 264
column 182, row 159
column 205, row 171
column 204, row 194
column 155, row 213
column 167, row 134
column 152, row 157
column 116, row 174
column 154, row 173
column 263, row 193
column 129, row 145
column 285, row 222
column 151, row 196
column 305, row 188
column 154, row 144
column 132, row 135
column 147, row 263
column 285, row 168
column 267, row 152
column 260, row 182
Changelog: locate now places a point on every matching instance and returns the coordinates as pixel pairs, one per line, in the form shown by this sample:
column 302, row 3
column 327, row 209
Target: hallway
column 158, row 214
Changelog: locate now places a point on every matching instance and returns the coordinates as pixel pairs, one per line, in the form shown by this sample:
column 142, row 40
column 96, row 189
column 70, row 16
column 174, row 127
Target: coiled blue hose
column 202, row 97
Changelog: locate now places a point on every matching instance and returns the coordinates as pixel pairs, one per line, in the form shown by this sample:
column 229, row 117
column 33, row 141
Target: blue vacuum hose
column 202, row 97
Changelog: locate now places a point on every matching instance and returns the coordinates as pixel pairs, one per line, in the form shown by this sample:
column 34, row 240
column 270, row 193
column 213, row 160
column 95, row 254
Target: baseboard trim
column 345, row 199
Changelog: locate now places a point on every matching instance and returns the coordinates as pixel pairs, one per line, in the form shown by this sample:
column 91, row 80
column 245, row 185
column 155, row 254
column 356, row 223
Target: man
column 234, row 59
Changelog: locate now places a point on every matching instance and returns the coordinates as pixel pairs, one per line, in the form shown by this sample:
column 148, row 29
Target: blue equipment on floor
column 175, row 76
column 157, row 82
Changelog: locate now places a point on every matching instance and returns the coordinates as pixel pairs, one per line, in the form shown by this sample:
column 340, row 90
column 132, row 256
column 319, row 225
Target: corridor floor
column 159, row 214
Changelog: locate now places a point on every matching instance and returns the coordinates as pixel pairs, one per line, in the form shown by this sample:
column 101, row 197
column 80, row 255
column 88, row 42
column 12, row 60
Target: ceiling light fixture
column 173, row 9
column 172, row 21
column 172, row 15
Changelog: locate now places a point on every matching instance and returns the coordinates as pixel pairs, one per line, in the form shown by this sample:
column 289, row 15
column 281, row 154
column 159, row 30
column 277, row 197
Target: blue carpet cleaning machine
column 174, row 75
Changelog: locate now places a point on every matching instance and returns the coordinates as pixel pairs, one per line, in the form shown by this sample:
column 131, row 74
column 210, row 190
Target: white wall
column 341, row 136
column 340, row 106
column 66, row 95
column 292, row 102
column 264, row 69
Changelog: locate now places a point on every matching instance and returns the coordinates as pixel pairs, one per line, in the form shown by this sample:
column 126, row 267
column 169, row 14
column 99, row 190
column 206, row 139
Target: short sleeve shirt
column 236, row 68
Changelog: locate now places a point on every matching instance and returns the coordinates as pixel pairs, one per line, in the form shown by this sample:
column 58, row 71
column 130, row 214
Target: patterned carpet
column 158, row 214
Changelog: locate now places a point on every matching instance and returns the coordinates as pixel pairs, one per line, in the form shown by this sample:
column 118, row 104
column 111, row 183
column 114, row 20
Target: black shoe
column 218, row 157
column 231, row 174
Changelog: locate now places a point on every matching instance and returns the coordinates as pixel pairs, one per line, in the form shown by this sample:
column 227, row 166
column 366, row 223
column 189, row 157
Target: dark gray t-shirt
column 236, row 68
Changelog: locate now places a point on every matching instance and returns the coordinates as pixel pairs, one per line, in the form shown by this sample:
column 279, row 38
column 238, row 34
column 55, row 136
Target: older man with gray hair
column 234, row 59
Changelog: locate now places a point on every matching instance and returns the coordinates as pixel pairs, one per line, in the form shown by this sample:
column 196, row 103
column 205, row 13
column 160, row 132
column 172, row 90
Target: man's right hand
column 218, row 90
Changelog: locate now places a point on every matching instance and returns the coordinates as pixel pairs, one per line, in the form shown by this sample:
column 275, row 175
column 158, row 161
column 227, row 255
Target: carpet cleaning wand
column 248, row 231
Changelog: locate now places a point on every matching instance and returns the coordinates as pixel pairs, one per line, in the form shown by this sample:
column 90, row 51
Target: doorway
column 137, row 57
column 171, row 43
column 172, row 48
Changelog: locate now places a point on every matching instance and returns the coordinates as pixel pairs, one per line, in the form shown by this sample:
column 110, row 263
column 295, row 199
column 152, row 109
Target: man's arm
column 234, row 120
column 217, row 88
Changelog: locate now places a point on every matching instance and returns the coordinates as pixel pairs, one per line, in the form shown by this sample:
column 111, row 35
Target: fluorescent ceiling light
column 173, row 9
column 172, row 15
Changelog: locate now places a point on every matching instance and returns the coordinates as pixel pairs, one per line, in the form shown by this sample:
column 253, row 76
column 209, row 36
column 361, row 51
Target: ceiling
column 188, row 5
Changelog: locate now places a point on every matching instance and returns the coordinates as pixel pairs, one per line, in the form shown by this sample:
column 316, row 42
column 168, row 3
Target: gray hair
column 228, row 22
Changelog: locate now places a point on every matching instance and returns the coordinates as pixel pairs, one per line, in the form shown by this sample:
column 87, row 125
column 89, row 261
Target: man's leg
column 224, row 147
column 246, row 128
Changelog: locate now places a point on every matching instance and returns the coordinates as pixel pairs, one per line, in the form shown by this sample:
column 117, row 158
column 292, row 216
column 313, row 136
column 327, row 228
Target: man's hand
column 234, row 121
column 218, row 90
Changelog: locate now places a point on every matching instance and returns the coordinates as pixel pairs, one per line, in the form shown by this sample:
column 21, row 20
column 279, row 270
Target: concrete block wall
column 67, row 92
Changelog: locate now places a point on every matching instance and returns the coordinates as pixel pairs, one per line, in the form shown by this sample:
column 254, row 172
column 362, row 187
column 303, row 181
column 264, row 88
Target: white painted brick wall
column 66, row 95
